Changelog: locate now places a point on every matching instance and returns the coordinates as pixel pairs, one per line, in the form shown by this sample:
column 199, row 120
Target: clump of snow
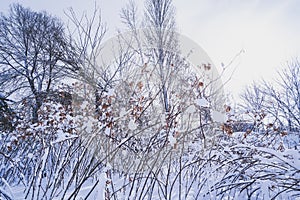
column 108, row 166
column 110, row 92
column 202, row 102
column 124, row 152
column 172, row 140
column 265, row 184
column 123, row 112
column 107, row 131
column 11, row 193
column 30, row 155
column 191, row 109
column 62, row 136
column 89, row 126
column 218, row 116
column 13, row 138
column 132, row 125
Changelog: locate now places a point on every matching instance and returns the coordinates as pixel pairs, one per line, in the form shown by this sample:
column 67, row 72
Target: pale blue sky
column 268, row 30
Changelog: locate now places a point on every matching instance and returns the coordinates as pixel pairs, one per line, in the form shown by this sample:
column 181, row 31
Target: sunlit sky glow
column 268, row 30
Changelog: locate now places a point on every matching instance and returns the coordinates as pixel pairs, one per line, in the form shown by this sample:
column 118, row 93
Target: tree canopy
column 34, row 54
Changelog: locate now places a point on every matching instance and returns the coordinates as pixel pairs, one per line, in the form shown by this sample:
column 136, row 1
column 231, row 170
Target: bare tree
column 280, row 100
column 159, row 30
column 160, row 20
column 34, row 54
